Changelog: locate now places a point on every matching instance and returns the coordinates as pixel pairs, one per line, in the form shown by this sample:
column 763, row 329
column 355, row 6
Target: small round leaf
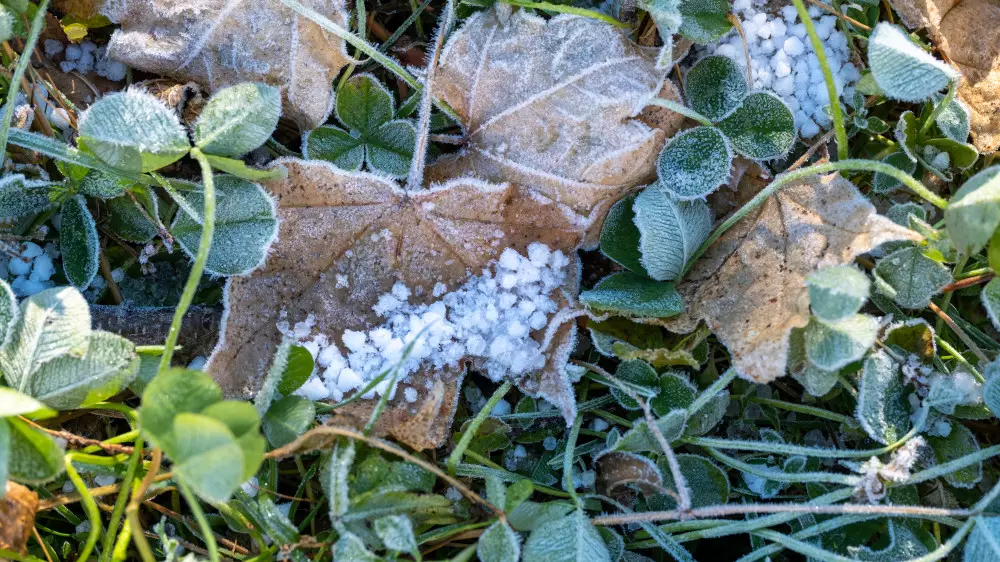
column 694, row 163
column 837, row 292
column 973, row 214
column 238, row 119
column 761, row 128
column 714, row 86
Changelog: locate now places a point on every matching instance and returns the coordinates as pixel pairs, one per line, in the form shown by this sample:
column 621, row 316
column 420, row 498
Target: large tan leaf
column 219, row 43
column 749, row 287
column 550, row 105
column 968, row 32
column 364, row 230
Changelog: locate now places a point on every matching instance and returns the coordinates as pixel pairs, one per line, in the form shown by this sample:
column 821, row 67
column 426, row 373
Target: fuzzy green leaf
column 620, row 236
column 910, row 278
column 364, row 104
column 499, row 543
column 128, row 222
column 637, row 376
column 708, row 483
column 103, row 185
column 169, row 394
column 837, row 292
column 984, row 541
column 675, row 392
column 389, row 148
column 833, row 345
column 238, row 119
column 628, row 293
column 336, row 145
column 287, row 419
column 206, row 456
column 953, row 121
column 902, row 69
column 640, row 438
column 298, row 368
column 78, row 242
column 68, row 382
column 704, row 21
column 715, row 86
column 973, row 214
column 694, row 163
column 14, row 403
column 957, row 444
column 396, row 533
column 883, row 183
column 761, row 128
column 883, row 409
column 670, row 232
column 35, row 457
column 20, row 197
column 569, row 539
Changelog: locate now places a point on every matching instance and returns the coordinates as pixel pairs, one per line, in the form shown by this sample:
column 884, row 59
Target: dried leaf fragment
column 17, row 517
column 220, row 43
column 550, row 105
column 749, row 287
column 968, row 33
column 346, row 238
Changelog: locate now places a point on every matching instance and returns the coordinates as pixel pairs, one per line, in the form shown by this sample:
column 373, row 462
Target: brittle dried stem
column 959, row 332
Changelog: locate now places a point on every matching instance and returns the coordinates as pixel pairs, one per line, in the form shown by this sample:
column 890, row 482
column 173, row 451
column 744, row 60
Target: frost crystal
column 490, row 319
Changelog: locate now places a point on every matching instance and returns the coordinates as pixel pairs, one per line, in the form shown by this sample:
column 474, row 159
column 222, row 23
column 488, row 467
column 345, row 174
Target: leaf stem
column 946, row 300
column 121, row 502
column 574, row 432
column 940, row 107
column 565, row 9
column 23, row 61
column 789, row 177
column 682, row 109
column 89, row 506
column 802, row 409
column 463, row 443
column 194, row 278
column 831, row 89
column 199, row 515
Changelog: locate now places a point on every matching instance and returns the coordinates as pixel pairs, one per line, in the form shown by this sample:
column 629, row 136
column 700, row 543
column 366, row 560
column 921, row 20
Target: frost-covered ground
column 782, row 60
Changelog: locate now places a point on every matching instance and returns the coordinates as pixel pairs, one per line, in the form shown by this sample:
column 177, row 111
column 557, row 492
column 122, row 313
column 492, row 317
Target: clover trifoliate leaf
column 884, row 183
column 53, row 323
column 675, row 392
column 910, row 278
column 707, row 483
column 714, row 86
column 953, row 120
column 959, row 442
column 206, row 456
column 637, row 377
column 288, row 418
column 991, row 301
column 694, row 163
column 761, row 127
column 620, row 236
column 833, row 345
column 883, row 409
column 67, row 382
column 902, row 69
column 133, row 131
column 21, row 197
column 243, row 421
column 336, row 145
column 169, row 394
column 973, row 214
column 837, row 292
column 669, row 232
column 78, row 242
column 35, row 457
column 704, row 21
column 984, row 541
column 245, row 226
column 364, row 104
column 632, row 294
column 498, row 543
column 238, row 119
column 389, row 148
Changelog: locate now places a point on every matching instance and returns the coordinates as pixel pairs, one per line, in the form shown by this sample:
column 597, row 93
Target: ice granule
column 549, row 443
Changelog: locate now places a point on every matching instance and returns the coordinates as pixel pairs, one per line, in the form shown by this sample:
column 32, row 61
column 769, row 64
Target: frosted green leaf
column 631, row 294
column 910, row 278
column 499, row 543
column 953, row 120
column 714, row 86
column 245, row 226
column 52, row 323
column 708, row 483
column 837, row 292
column 961, row 155
column 640, row 438
column 614, row 542
column 70, row 382
column 7, row 23
column 669, row 232
column 883, row 183
column 709, row 416
column 240, row 169
column 298, row 368
column 389, row 148
column 238, row 119
column 78, row 242
column 973, row 214
column 128, row 222
column 364, row 104
column 35, row 457
column 14, row 403
column 984, row 541
column 133, row 131
column 206, row 456
column 913, row 336
column 243, row 421
column 991, row 301
column 906, row 134
column 169, row 394
column 704, row 21
column 833, row 345
column 666, row 15
column 337, row 484
column 899, row 213
column 8, row 313
column 902, row 69
column 675, row 392
column 620, row 236
column 336, row 145
column 883, row 410
column 814, row 380
column 569, row 539
column 957, row 444
column 637, row 376
column 903, row 545
column 103, row 185
column 761, row 127
column 287, row 419
column 694, row 163
column 396, row 532
column 350, row 547
column 20, row 197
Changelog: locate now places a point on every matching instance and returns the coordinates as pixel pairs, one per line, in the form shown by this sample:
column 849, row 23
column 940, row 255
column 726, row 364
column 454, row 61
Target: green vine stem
column 118, row 512
column 199, row 515
column 89, row 504
column 948, row 97
column 463, row 443
column 194, row 278
column 788, row 177
column 23, row 61
column 565, row 9
column 574, row 432
column 831, row 89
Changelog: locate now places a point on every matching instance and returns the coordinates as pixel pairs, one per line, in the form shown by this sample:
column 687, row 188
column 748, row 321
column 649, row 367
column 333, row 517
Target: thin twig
column 968, row 282
column 959, row 332
column 833, row 11
column 191, row 523
column 812, row 150
column 106, row 273
column 746, row 51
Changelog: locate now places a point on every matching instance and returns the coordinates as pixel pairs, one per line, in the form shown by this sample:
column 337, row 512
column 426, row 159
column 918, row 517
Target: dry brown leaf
column 749, row 287
column 17, row 517
column 219, row 43
column 550, row 105
column 366, row 229
column 968, row 32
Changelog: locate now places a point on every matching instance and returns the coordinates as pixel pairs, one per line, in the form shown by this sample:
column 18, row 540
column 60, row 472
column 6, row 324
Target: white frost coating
column 669, row 232
column 490, row 319
column 782, row 60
